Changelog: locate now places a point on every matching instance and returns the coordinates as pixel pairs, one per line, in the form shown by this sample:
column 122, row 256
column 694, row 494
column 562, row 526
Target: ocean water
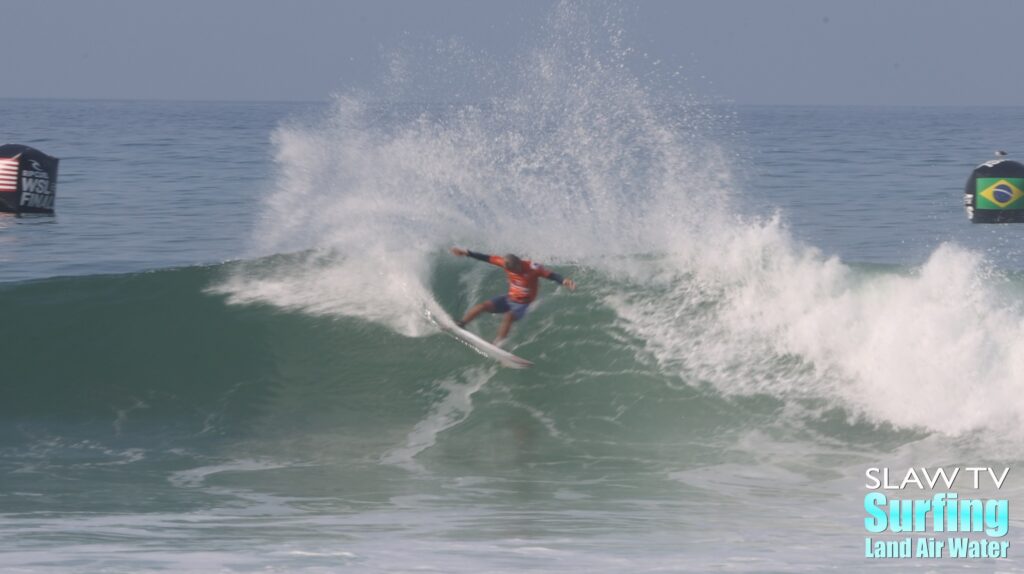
column 217, row 356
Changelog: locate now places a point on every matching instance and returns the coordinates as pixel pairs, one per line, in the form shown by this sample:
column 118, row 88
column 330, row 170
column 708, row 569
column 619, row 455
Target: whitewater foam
column 578, row 162
column 574, row 161
column 936, row 348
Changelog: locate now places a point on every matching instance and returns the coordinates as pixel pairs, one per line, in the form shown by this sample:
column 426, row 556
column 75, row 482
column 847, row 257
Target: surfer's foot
column 499, row 342
column 460, row 324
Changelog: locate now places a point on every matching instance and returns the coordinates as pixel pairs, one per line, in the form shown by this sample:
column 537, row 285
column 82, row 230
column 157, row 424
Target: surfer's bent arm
column 552, row 276
column 549, row 274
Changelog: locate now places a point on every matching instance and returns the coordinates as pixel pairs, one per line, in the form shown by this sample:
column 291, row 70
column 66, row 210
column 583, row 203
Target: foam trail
column 450, row 411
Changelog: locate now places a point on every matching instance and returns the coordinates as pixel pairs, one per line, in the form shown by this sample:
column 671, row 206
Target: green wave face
column 164, row 356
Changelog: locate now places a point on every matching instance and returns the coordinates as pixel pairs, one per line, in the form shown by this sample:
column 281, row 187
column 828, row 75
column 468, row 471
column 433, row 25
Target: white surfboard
column 475, row 342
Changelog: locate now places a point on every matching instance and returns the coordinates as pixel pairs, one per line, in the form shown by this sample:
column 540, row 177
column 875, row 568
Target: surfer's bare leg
column 506, row 325
column 475, row 312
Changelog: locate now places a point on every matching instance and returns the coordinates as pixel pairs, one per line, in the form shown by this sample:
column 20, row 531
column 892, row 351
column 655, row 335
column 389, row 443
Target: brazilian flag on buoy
column 1000, row 193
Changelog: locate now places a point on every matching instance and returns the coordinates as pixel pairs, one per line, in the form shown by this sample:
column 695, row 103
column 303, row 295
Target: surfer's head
column 513, row 263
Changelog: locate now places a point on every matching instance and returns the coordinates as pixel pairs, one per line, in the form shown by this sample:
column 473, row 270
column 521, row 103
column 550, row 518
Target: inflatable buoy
column 995, row 192
column 28, row 180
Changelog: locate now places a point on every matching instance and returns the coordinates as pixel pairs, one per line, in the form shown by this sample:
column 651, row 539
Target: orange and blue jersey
column 522, row 285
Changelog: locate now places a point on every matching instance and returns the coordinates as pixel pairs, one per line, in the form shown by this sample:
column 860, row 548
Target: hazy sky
column 744, row 51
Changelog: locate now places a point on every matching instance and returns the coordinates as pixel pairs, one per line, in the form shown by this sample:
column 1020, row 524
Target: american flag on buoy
column 28, row 180
column 9, row 174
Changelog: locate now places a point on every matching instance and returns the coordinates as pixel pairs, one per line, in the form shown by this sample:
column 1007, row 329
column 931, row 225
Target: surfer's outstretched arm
column 492, row 259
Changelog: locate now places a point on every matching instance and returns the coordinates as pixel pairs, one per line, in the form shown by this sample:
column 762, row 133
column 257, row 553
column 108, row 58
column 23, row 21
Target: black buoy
column 995, row 192
column 28, row 180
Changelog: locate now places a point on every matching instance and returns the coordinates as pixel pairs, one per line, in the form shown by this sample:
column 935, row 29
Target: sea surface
column 218, row 356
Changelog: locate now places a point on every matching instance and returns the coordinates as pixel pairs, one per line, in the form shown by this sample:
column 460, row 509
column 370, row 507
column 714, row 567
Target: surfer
column 522, row 289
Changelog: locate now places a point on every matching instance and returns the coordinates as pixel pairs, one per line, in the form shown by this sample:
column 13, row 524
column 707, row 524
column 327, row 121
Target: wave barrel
column 995, row 192
column 28, row 180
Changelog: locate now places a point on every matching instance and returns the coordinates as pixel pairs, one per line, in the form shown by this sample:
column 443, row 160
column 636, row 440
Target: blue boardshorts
column 501, row 304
